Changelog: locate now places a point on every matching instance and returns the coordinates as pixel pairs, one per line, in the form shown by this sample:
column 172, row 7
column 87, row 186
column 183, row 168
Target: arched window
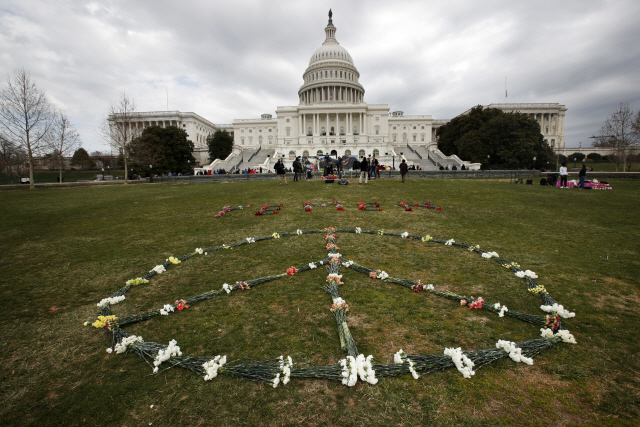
column 333, row 131
column 377, row 130
column 270, row 140
column 376, row 152
column 414, row 137
column 260, row 139
column 288, row 131
column 322, row 131
column 347, row 152
column 395, row 137
column 305, row 153
column 553, row 143
column 309, row 131
column 422, row 137
column 341, row 130
column 319, row 153
column 242, row 141
column 361, row 153
column 355, row 130
column 292, row 155
column 404, row 137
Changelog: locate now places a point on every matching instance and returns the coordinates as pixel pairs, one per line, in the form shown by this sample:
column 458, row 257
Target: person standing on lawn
column 563, row 175
column 403, row 169
column 582, row 175
column 281, row 171
column 374, row 167
column 297, row 169
column 364, row 170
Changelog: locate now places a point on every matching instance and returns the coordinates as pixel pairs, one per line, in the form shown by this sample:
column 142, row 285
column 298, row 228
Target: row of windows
column 251, row 130
column 405, row 128
column 404, row 137
column 329, row 74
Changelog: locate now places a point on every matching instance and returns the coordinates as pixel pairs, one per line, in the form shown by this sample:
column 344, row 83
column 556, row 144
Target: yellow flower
column 276, row 235
column 102, row 321
column 226, row 246
column 137, row 281
column 426, row 238
column 174, row 260
column 380, row 232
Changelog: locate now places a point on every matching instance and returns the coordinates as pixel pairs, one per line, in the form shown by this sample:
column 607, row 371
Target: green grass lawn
column 65, row 249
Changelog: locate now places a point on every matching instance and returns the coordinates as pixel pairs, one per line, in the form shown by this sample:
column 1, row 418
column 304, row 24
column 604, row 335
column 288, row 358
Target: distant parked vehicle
column 25, row 181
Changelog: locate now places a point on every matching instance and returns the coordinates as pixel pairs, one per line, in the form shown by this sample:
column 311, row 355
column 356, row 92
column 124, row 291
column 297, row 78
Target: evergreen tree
column 220, row 145
column 165, row 149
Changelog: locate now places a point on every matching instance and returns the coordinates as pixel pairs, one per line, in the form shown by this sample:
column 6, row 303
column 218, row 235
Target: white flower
column 312, row 265
column 334, row 276
column 334, row 255
column 430, row 287
column 347, row 264
column 490, row 255
column 199, row 251
column 546, row 333
column 285, row 368
column 121, row 347
column 383, row 275
column 566, row 336
column 251, row 240
column 358, row 230
column 299, row 232
column 414, row 374
column 111, row 301
column 226, row 288
column 557, row 308
column 338, row 300
column 462, row 362
column 349, row 371
column 165, row 354
column 515, row 353
column 168, row 308
column 449, row 242
column 496, row 306
column 530, row 274
column 520, row 274
column 159, row 269
column 211, row 367
column 405, row 234
column 502, row 311
column 109, row 350
column 399, row 357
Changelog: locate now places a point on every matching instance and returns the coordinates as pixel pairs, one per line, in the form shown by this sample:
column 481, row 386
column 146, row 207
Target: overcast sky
column 227, row 60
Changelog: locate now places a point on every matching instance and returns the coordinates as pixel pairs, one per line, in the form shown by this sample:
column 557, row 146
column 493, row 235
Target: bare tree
column 25, row 115
column 63, row 139
column 12, row 159
column 619, row 135
column 117, row 130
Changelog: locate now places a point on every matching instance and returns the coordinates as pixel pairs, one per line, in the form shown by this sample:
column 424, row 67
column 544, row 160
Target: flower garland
column 408, row 207
column 228, row 208
column 369, row 206
column 308, row 205
column 269, row 209
column 355, row 364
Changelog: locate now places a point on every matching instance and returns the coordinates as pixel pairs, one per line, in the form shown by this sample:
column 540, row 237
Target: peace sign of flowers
column 355, row 365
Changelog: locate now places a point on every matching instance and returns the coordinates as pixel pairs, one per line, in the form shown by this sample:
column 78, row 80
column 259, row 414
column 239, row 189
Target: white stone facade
column 197, row 128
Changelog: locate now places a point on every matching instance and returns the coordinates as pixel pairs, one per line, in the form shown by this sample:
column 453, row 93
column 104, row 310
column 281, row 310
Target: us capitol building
column 332, row 118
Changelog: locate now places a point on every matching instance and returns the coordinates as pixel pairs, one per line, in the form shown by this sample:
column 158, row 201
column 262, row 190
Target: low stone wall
column 484, row 174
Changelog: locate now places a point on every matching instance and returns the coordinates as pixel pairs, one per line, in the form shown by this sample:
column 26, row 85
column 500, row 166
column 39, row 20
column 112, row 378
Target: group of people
column 453, row 168
column 564, row 174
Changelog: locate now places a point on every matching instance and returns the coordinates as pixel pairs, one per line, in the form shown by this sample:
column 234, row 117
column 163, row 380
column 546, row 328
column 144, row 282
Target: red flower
column 292, row 270
column 259, row 213
column 340, row 208
column 308, row 209
column 438, row 208
column 181, row 305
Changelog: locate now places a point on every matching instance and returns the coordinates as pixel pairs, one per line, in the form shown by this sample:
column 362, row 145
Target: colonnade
column 354, row 123
column 331, row 93
column 550, row 123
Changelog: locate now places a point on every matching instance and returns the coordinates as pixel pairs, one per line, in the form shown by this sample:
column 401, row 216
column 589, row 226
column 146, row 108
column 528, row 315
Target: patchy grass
column 65, row 249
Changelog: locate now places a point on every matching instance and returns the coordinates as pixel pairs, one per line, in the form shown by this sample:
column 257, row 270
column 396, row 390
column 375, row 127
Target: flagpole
column 505, row 87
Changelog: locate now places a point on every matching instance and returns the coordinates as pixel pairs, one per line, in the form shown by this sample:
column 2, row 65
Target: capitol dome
column 331, row 75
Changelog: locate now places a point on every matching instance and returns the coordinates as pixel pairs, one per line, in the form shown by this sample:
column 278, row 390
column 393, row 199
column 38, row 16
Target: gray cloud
column 228, row 60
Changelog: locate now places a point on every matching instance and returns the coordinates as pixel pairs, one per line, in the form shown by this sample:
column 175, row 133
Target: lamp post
column 574, row 162
column 150, row 173
column 488, row 160
column 108, row 171
column 534, row 163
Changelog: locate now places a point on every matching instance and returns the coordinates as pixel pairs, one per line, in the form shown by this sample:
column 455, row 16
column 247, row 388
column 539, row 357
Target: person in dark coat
column 297, row 169
column 281, row 171
column 364, row 170
column 403, row 169
column 583, row 176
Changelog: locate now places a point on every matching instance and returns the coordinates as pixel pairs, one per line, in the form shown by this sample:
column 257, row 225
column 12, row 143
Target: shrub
column 595, row 157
